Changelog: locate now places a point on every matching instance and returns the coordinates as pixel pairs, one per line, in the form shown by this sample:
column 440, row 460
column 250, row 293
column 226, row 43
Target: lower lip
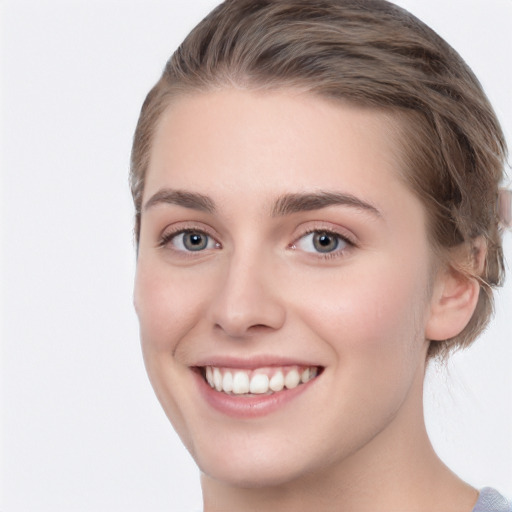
column 239, row 406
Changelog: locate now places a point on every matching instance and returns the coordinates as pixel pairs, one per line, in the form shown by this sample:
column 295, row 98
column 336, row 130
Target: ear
column 452, row 305
column 455, row 295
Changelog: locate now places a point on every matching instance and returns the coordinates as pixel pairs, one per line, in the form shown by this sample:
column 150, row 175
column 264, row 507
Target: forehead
column 286, row 137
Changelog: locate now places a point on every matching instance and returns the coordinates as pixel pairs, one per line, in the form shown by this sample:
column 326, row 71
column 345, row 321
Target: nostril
column 259, row 327
column 240, row 332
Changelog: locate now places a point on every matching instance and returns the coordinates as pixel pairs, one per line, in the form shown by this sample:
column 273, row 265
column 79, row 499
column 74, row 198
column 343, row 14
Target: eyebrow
column 191, row 200
column 295, row 203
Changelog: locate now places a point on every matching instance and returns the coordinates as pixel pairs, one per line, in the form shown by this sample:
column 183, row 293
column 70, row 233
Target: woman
column 316, row 188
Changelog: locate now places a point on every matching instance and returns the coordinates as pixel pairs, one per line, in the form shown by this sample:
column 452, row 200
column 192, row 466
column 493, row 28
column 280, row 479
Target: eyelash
column 169, row 236
column 329, row 232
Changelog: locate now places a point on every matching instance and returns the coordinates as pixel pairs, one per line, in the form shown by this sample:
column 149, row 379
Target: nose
column 249, row 299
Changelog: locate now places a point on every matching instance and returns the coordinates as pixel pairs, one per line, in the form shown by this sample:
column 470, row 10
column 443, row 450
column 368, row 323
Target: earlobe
column 453, row 302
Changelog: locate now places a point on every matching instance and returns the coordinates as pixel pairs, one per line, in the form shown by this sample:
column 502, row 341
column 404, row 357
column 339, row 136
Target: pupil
column 325, row 242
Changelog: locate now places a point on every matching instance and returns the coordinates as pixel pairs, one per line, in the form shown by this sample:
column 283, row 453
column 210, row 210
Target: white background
column 81, row 428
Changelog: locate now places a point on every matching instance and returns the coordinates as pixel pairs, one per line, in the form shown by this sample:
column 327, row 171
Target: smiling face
column 284, row 262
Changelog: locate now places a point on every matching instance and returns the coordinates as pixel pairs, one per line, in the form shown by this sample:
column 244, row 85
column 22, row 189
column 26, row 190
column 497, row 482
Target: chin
column 256, row 474
column 250, row 462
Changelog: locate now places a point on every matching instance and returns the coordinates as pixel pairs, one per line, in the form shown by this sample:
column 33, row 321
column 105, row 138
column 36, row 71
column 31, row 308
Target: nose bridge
column 248, row 297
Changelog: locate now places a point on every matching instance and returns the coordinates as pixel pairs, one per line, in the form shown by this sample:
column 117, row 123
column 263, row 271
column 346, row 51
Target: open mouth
column 260, row 381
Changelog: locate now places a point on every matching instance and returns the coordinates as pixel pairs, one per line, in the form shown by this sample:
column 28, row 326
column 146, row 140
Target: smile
column 259, row 381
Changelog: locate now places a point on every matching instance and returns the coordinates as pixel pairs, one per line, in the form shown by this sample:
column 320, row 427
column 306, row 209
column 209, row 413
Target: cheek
column 167, row 305
column 377, row 315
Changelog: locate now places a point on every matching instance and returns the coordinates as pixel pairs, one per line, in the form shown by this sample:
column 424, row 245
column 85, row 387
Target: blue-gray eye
column 321, row 242
column 192, row 241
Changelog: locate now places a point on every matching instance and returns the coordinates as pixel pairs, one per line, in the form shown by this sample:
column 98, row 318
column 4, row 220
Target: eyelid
column 326, row 231
column 329, row 227
column 174, row 230
column 343, row 234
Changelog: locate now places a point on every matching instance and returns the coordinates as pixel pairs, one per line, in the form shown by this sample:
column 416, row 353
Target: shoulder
column 490, row 500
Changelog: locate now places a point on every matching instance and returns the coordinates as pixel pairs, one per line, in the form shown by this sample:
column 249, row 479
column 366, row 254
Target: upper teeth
column 259, row 381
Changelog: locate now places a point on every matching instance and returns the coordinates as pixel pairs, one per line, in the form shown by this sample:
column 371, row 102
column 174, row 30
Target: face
column 281, row 284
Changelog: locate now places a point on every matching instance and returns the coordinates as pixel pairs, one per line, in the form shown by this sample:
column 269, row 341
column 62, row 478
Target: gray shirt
column 490, row 500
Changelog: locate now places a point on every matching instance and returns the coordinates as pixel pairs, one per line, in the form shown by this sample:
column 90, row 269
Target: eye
column 323, row 242
column 189, row 240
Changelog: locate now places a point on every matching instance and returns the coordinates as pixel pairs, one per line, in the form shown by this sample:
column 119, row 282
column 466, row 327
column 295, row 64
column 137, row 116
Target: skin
column 260, row 288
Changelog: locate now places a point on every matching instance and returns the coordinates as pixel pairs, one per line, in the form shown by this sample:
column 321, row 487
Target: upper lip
column 254, row 362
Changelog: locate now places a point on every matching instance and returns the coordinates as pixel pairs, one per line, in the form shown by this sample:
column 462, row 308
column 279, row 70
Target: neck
column 397, row 470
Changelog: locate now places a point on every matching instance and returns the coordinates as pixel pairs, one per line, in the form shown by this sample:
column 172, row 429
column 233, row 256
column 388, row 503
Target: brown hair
column 375, row 54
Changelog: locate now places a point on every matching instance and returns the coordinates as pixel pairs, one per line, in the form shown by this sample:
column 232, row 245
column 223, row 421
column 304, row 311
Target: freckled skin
column 362, row 314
